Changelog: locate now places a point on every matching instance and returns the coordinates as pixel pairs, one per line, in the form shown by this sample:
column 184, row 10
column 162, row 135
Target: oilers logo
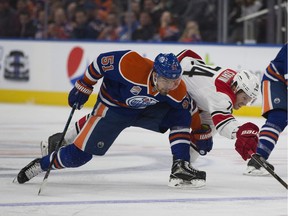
column 76, row 64
column 16, row 66
column 140, row 102
column 277, row 100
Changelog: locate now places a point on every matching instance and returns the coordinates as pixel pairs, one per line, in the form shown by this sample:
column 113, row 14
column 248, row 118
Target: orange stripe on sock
column 269, row 134
column 56, row 164
column 266, row 97
column 183, row 136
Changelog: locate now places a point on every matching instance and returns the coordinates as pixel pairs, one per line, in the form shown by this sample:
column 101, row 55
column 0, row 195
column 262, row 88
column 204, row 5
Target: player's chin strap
column 262, row 162
column 154, row 80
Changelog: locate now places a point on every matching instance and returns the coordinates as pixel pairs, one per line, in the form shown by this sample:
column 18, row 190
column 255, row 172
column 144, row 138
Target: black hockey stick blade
column 262, row 162
column 45, row 179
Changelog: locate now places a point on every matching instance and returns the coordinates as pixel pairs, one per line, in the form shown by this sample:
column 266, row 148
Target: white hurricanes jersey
column 209, row 87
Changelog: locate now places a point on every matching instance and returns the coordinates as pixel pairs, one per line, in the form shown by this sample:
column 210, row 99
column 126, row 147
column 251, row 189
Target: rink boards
column 43, row 72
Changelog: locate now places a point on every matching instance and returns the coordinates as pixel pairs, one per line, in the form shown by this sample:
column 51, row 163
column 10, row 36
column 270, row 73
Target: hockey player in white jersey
column 216, row 91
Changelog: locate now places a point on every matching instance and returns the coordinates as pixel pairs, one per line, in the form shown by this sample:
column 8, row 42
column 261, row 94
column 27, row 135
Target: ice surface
column 131, row 179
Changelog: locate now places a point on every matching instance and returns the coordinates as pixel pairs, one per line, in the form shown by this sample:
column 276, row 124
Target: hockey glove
column 79, row 94
column 201, row 139
column 247, row 139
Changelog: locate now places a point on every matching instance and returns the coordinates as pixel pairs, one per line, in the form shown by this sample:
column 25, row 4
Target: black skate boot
column 50, row 146
column 254, row 169
column 29, row 171
column 184, row 175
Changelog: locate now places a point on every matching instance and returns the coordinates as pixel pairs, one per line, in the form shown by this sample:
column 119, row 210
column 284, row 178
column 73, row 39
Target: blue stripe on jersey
column 277, row 69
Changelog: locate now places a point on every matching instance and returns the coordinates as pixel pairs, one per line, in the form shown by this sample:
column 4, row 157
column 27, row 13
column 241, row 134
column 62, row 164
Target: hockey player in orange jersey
column 135, row 92
column 274, row 110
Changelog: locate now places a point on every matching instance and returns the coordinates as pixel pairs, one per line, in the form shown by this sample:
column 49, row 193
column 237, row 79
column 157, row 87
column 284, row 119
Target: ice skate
column 50, row 146
column 184, row 175
column 29, row 171
column 254, row 169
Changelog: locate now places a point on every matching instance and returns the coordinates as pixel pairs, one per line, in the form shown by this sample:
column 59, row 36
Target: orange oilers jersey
column 277, row 69
column 127, row 83
column 275, row 75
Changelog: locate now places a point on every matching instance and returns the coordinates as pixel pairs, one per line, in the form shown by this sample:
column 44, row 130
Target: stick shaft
column 45, row 179
column 262, row 162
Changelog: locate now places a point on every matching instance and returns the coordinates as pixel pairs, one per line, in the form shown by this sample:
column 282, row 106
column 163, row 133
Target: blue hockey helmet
column 168, row 66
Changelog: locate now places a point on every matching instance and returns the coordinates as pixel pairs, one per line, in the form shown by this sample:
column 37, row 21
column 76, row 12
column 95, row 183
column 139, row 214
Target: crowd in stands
column 117, row 20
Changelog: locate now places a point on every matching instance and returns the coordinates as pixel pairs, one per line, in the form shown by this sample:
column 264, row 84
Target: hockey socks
column 68, row 156
column 270, row 131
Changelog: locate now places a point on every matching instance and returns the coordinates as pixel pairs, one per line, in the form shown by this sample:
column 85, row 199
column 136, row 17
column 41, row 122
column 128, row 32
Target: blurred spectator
column 27, row 27
column 25, row 5
column 204, row 12
column 178, row 8
column 9, row 22
column 234, row 28
column 136, row 8
column 105, row 6
column 89, row 7
column 151, row 20
column 110, row 31
column 145, row 30
column 130, row 24
column 168, row 31
column 97, row 23
column 59, row 28
column 250, row 7
column 82, row 30
column 40, row 32
column 191, row 33
column 154, row 8
column 247, row 7
column 70, row 12
column 39, row 5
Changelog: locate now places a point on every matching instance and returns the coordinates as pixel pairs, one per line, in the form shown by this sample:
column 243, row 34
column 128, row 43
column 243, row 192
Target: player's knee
column 279, row 118
column 74, row 157
column 99, row 148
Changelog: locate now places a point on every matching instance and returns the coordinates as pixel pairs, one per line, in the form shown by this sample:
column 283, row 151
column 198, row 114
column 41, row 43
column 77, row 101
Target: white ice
column 131, row 179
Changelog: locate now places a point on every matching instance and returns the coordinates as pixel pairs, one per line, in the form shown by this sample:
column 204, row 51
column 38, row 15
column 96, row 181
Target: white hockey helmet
column 248, row 82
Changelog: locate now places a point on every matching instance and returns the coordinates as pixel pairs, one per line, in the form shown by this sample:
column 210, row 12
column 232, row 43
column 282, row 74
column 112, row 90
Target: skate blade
column 15, row 180
column 44, row 148
column 251, row 171
column 193, row 184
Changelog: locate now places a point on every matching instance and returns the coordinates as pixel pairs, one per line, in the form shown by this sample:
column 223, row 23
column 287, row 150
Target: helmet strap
column 234, row 87
column 154, row 80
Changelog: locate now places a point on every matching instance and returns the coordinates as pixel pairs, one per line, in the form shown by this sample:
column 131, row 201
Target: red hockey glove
column 201, row 139
column 247, row 140
column 79, row 94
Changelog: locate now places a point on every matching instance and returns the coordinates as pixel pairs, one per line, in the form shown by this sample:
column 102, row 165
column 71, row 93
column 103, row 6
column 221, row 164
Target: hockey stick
column 45, row 179
column 262, row 162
